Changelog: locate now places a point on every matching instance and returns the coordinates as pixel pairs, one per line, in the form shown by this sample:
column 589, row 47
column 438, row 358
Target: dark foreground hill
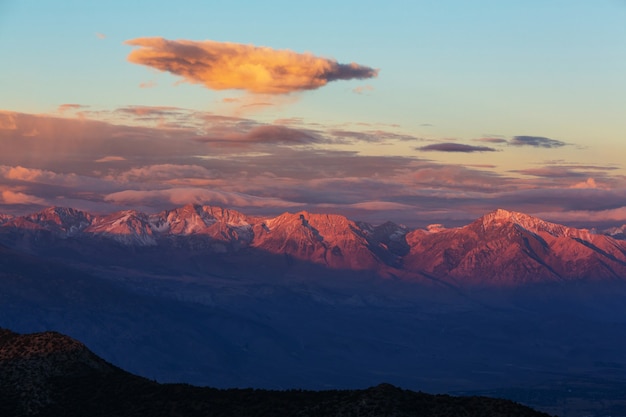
column 49, row 374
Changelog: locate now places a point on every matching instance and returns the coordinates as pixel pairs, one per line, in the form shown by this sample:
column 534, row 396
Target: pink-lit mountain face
column 513, row 248
column 500, row 248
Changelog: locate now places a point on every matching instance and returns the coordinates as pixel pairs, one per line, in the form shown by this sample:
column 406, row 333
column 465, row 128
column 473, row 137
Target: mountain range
column 499, row 248
column 507, row 306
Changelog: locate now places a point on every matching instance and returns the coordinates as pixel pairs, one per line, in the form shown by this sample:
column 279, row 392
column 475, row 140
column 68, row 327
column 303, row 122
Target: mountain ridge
column 500, row 248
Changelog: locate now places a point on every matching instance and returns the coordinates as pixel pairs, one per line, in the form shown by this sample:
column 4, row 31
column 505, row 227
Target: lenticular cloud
column 225, row 65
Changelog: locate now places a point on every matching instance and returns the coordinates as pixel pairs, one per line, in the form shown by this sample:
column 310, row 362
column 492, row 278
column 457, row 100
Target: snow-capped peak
column 617, row 232
column 66, row 220
column 127, row 227
column 185, row 220
column 501, row 217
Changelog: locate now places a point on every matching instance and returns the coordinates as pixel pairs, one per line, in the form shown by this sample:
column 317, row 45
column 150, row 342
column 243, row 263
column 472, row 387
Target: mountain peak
column 5, row 218
column 68, row 221
column 506, row 215
column 502, row 217
column 618, row 232
column 126, row 227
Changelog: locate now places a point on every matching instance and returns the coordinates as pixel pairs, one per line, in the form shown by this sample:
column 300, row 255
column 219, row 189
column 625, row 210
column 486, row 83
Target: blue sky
column 477, row 73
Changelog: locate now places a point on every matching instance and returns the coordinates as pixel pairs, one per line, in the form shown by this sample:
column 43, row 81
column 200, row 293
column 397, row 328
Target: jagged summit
column 5, row 218
column 126, row 227
column 186, row 220
column 618, row 232
column 501, row 214
column 501, row 217
column 208, row 214
column 65, row 220
column 304, row 218
column 328, row 239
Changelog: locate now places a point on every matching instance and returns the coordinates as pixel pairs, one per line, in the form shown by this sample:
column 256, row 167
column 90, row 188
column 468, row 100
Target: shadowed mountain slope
column 48, row 374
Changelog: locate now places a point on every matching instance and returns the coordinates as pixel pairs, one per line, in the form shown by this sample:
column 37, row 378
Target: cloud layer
column 226, row 65
column 154, row 158
column 536, row 141
column 455, row 147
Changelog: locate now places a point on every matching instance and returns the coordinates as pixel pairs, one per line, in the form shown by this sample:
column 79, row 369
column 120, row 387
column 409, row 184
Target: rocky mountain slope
column 514, row 248
column 49, row 374
column 29, row 364
column 500, row 248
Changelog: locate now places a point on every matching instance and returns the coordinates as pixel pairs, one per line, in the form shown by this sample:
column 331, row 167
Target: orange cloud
column 40, row 176
column 185, row 195
column 8, row 120
column 225, row 65
column 13, row 197
column 23, row 174
column 111, row 158
column 590, row 183
column 63, row 108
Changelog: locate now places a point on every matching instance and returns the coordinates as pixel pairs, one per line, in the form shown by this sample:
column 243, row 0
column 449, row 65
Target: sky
column 418, row 112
